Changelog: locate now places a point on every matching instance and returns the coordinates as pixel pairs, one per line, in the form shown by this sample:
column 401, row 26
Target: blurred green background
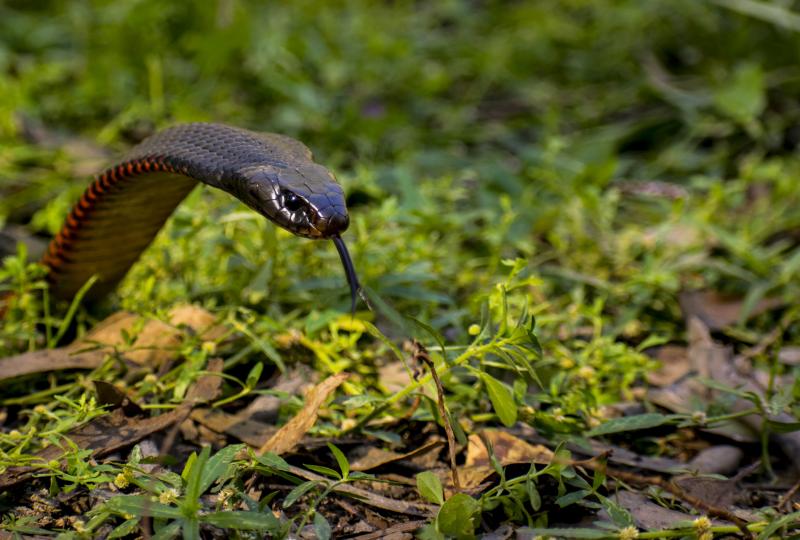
column 467, row 135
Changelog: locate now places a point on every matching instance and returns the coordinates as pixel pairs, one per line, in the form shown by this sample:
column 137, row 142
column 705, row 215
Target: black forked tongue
column 349, row 270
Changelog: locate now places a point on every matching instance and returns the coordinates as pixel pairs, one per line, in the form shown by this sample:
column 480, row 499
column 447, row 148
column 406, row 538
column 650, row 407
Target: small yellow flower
column 14, row 434
column 474, row 329
column 79, row 525
column 699, row 417
column 225, row 496
column 168, row 496
column 123, row 480
column 288, row 339
column 209, row 347
column 566, row 363
column 702, row 524
column 629, row 533
column 150, row 378
column 586, row 372
column 40, row 410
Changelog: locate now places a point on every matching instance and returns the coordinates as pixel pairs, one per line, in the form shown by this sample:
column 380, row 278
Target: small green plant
column 175, row 501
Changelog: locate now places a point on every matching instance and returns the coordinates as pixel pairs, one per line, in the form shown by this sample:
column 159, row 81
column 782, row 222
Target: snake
column 124, row 207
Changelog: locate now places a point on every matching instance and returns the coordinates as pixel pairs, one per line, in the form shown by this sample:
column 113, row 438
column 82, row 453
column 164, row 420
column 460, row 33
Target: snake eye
column 291, row 201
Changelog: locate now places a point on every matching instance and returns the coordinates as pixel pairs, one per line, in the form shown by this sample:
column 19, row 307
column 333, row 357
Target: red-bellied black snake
column 121, row 211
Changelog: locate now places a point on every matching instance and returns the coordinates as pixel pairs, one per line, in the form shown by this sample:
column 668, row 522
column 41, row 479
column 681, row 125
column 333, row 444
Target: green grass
column 485, row 150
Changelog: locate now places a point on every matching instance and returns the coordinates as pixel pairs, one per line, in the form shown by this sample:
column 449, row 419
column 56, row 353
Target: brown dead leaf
column 789, row 356
column 394, row 376
column 720, row 459
column 712, row 491
column 674, row 365
column 48, row 360
column 647, row 514
column 116, row 398
column 718, row 311
column 251, row 432
column 376, row 457
column 508, row 450
column 158, row 342
column 290, row 434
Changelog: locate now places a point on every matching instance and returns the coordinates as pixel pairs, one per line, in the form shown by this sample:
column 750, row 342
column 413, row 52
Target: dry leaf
column 647, row 514
column 720, row 459
column 376, row 457
column 674, row 365
column 290, row 434
column 507, row 448
column 718, row 311
column 158, row 342
column 394, row 376
column 251, row 432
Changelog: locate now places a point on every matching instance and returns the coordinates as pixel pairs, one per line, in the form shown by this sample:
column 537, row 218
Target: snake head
column 304, row 199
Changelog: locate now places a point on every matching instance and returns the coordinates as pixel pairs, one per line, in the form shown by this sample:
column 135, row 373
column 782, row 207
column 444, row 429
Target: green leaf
column 298, row 492
column 782, row 427
column 321, row 527
column 254, row 375
column 502, row 398
column 327, row 471
column 430, row 487
column 630, row 423
column 190, row 528
column 126, row 528
column 619, row 515
column 533, row 494
column 776, row 524
column 195, row 475
column 458, row 516
column 573, row 497
column 142, row 505
column 217, row 465
column 251, row 521
column 344, row 466
column 273, row 461
column 742, row 97
column 168, row 531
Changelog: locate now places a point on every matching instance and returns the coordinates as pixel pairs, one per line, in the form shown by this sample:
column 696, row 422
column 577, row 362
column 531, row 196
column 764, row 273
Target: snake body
column 123, row 209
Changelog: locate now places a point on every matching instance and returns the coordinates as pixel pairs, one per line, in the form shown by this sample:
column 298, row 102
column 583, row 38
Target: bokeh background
column 467, row 135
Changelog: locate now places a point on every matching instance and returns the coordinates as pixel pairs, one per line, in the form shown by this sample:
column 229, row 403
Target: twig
column 368, row 496
column 420, row 354
column 409, row 526
column 787, row 497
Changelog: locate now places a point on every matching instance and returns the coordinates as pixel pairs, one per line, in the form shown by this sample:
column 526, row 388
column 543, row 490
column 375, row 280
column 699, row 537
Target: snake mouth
column 349, row 270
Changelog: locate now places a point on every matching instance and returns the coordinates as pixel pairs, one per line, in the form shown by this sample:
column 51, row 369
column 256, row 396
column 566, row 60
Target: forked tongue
column 349, row 270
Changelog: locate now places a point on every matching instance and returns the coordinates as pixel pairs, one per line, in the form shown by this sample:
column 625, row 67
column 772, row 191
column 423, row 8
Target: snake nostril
column 338, row 223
